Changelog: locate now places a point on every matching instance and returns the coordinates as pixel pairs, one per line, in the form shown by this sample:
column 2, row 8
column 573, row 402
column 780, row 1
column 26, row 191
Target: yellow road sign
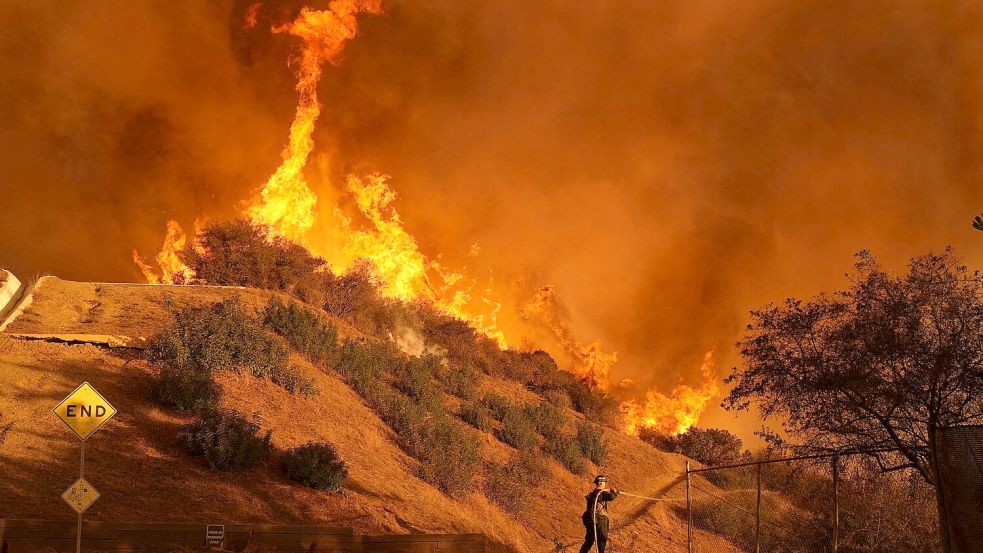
column 80, row 495
column 84, row 410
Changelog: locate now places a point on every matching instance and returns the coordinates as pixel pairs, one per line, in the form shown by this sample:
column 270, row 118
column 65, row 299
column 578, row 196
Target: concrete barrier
column 11, row 296
column 19, row 303
column 9, row 289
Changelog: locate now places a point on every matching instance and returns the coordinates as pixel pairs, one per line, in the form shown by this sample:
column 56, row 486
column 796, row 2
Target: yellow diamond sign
column 80, row 495
column 84, row 410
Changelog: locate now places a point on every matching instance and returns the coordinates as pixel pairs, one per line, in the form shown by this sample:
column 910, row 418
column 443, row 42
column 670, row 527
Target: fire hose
column 653, row 498
column 597, row 546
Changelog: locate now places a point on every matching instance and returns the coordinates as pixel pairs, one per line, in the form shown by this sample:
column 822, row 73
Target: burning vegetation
column 359, row 265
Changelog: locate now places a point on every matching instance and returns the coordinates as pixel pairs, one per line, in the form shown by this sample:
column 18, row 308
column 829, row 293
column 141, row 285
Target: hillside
column 138, row 465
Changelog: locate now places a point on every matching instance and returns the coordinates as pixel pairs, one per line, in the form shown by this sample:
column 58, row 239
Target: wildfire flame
column 287, row 203
column 287, row 206
column 675, row 413
column 172, row 269
column 405, row 272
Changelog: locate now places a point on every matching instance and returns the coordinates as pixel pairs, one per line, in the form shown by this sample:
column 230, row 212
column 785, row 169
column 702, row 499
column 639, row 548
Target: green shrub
column 499, row 406
column 558, row 398
column 590, row 440
column 566, row 451
column 449, row 454
column 463, row 382
column 221, row 336
column 414, row 376
column 507, row 485
column 518, row 430
column 362, row 364
column 596, row 405
column 304, row 331
column 395, row 409
column 532, row 465
column 354, row 297
column 184, row 388
column 240, row 253
column 735, row 525
column 545, row 374
column 465, row 346
column 476, row 416
column 516, row 366
column 732, row 479
column 316, row 465
column 657, row 438
column 709, row 446
column 227, row 440
column 204, row 340
column 547, row 419
column 167, row 346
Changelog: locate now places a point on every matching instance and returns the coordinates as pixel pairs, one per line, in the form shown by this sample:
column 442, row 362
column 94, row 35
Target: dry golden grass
column 137, row 464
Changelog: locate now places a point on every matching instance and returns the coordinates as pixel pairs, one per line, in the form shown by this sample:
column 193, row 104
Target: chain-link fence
column 753, row 508
column 812, row 504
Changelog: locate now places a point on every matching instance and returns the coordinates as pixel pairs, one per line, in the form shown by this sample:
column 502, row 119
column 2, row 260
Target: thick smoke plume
column 666, row 166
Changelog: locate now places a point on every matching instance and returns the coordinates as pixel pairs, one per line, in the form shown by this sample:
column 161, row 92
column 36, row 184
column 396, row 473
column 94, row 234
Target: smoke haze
column 667, row 165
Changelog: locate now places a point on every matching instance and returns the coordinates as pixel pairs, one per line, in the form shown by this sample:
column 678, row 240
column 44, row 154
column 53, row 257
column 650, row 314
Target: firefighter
column 595, row 517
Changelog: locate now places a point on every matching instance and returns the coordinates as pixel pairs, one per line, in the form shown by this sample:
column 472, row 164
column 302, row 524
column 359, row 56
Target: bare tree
column 875, row 367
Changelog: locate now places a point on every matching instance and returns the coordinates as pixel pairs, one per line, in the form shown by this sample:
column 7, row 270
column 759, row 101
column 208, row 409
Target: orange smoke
column 287, row 207
column 172, row 270
column 675, row 413
column 670, row 414
column 590, row 361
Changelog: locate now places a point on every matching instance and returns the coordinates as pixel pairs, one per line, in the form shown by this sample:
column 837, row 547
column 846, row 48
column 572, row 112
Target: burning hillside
column 665, row 169
column 288, row 208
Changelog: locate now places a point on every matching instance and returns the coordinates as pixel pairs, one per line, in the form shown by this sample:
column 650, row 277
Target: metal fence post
column 689, row 513
column 78, row 536
column 757, row 516
column 836, row 504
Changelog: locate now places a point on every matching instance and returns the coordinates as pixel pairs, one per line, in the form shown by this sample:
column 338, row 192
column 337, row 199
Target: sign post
column 84, row 411
column 215, row 535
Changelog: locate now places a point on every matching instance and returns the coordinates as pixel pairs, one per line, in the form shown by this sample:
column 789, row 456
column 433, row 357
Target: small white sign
column 214, row 535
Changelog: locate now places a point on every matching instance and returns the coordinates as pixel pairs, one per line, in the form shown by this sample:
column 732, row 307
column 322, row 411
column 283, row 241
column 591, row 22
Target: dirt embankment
column 137, row 464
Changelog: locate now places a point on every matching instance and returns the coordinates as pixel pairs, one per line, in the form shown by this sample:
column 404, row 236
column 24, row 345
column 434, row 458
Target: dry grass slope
column 140, row 469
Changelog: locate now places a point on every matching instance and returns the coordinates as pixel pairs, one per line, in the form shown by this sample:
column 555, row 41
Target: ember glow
column 288, row 206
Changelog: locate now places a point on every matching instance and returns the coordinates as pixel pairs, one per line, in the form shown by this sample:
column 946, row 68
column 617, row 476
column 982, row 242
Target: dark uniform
column 595, row 519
